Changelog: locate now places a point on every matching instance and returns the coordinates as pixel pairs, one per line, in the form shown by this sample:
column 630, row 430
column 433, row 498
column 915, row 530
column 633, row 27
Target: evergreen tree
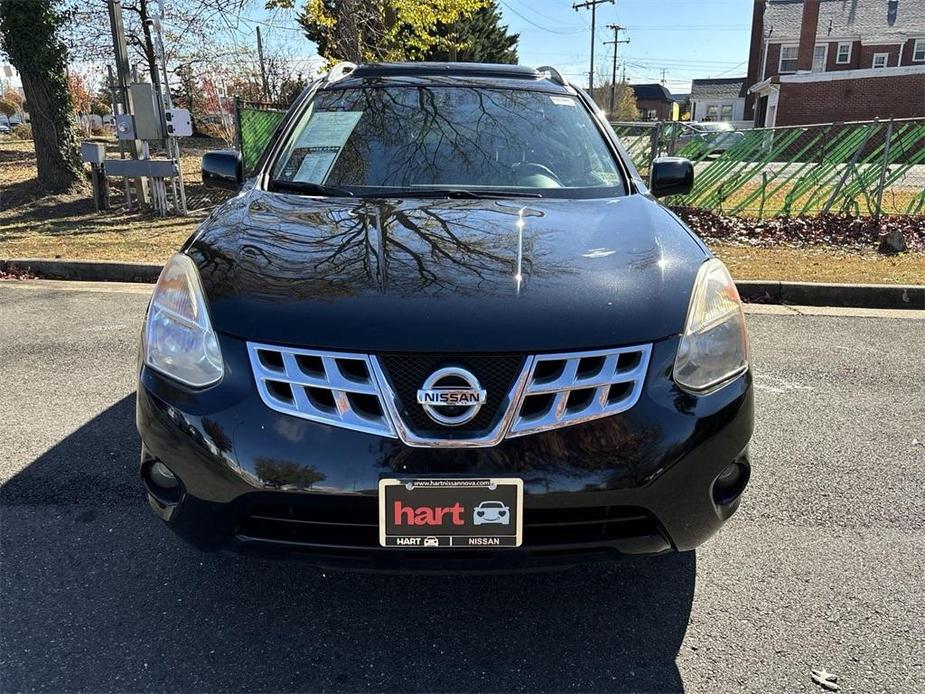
column 30, row 34
column 479, row 38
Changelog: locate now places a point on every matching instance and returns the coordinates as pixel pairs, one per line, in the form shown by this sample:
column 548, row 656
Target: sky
column 686, row 38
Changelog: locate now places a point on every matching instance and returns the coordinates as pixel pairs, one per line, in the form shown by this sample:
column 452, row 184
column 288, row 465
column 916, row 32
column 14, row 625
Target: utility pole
column 263, row 69
column 613, row 76
column 123, row 75
column 663, row 76
column 593, row 5
column 173, row 147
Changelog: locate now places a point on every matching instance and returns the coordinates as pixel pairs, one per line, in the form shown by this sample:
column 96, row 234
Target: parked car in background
column 698, row 138
column 4, row 128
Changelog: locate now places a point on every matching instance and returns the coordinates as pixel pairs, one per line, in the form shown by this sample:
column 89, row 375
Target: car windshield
column 420, row 139
column 716, row 127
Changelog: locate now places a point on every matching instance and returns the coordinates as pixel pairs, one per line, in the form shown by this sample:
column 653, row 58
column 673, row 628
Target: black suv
column 444, row 324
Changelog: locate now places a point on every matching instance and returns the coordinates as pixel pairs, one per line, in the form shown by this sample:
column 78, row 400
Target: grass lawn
column 821, row 264
column 34, row 226
column 66, row 226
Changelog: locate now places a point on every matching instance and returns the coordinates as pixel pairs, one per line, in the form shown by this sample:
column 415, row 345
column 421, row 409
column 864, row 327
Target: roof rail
column 554, row 74
column 340, row 71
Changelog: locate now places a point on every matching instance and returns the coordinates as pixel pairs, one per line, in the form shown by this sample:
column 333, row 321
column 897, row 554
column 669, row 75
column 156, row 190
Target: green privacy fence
column 868, row 168
column 256, row 124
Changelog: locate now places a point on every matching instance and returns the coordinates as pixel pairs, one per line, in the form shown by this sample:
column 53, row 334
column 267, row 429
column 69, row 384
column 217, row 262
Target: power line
column 539, row 26
column 592, row 4
column 734, row 67
column 271, row 25
column 544, row 16
column 613, row 76
column 673, row 61
column 685, row 27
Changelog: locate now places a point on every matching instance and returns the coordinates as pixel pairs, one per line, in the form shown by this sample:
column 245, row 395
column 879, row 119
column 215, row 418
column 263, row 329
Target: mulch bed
column 860, row 233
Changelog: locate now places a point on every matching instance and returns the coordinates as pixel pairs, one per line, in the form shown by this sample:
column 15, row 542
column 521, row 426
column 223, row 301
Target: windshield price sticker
column 316, row 163
column 329, row 129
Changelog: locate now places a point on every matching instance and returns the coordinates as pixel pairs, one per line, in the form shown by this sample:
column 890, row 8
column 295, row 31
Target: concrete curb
column 843, row 295
column 754, row 291
column 86, row 270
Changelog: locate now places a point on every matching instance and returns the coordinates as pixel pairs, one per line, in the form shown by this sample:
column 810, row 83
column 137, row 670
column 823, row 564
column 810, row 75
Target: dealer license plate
column 451, row 513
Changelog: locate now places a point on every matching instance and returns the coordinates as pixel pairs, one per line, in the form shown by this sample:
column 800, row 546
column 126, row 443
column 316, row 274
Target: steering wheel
column 525, row 168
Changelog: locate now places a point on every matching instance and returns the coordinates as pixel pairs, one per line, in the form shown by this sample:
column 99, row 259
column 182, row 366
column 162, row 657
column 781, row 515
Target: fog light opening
column 162, row 477
column 730, row 483
column 162, row 483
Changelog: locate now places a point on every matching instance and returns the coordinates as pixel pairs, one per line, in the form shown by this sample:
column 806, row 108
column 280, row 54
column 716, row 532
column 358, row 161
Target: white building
column 721, row 99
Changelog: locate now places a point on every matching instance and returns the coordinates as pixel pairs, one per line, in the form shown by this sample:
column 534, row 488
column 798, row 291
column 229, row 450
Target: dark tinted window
column 449, row 137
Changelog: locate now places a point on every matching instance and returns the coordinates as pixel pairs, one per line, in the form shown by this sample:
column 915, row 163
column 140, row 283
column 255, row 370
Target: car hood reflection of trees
column 437, row 274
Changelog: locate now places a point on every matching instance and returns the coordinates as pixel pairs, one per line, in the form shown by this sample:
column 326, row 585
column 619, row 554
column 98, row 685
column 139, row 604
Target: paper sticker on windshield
column 315, row 164
column 562, row 100
column 328, row 129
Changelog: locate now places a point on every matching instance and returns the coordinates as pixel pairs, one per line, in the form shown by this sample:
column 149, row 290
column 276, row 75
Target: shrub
column 22, row 131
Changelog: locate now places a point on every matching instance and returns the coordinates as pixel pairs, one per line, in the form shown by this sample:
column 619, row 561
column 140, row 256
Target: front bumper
column 254, row 480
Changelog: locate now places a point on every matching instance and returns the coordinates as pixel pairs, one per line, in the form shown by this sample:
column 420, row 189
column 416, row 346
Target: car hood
column 426, row 275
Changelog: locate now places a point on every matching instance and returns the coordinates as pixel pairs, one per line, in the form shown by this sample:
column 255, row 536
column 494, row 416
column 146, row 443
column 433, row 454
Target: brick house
column 821, row 61
column 655, row 102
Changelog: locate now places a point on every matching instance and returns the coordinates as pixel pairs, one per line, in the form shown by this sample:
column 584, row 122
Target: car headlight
column 714, row 346
column 178, row 337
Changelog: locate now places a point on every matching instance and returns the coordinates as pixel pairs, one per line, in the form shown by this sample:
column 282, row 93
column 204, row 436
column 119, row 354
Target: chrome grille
column 331, row 387
column 573, row 387
column 352, row 391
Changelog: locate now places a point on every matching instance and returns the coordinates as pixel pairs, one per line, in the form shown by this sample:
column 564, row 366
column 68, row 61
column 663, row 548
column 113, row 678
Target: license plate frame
column 430, row 510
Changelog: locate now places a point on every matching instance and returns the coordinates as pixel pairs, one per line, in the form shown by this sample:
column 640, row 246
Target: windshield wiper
column 312, row 188
column 451, row 193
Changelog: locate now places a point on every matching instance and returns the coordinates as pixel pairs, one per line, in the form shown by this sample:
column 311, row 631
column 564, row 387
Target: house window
column 843, row 56
column 881, row 60
column 918, row 51
column 788, row 58
column 712, row 113
column 727, row 112
column 820, row 53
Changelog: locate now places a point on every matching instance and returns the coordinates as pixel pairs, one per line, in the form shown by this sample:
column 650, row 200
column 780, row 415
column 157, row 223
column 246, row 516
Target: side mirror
column 222, row 169
column 671, row 176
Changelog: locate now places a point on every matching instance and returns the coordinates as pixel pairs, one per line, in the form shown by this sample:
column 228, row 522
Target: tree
column 80, row 99
column 101, row 104
column 7, row 107
column 14, row 98
column 480, row 39
column 625, row 108
column 192, row 31
column 30, row 34
column 388, row 30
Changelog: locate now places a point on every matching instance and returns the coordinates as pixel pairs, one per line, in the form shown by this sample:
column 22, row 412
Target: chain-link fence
column 868, row 168
column 256, row 123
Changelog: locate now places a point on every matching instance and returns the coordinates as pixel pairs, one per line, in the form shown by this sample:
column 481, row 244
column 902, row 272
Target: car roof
column 467, row 74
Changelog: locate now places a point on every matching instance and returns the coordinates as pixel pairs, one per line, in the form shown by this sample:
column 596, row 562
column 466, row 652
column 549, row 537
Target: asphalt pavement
column 823, row 566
